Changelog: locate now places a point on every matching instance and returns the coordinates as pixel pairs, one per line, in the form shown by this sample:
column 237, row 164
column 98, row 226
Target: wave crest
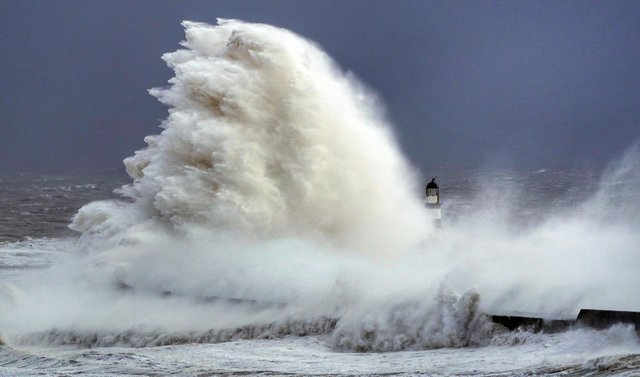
column 454, row 321
column 142, row 338
column 266, row 137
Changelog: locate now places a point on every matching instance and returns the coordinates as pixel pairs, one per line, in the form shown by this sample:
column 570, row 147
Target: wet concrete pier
column 599, row 319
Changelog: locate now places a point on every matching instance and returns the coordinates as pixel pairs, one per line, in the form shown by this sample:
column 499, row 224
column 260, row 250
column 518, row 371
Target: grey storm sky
column 528, row 84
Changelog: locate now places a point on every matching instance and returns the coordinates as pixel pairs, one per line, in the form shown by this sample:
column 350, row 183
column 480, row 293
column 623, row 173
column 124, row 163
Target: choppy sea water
column 41, row 206
column 35, row 210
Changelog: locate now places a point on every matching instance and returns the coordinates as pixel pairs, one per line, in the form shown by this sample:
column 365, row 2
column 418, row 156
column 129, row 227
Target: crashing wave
column 142, row 338
column 265, row 138
column 274, row 180
column 452, row 321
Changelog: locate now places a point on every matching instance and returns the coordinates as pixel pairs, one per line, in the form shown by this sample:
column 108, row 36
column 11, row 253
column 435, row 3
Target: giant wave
column 276, row 180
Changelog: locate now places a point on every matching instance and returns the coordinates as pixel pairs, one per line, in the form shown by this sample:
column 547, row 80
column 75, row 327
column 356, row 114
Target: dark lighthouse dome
column 433, row 193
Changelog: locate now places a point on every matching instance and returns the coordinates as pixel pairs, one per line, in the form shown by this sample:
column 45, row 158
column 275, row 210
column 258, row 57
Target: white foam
column 267, row 138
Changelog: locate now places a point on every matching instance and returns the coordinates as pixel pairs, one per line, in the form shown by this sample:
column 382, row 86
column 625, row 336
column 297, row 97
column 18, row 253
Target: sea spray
column 275, row 202
column 274, row 176
column 448, row 321
column 266, row 138
column 617, row 199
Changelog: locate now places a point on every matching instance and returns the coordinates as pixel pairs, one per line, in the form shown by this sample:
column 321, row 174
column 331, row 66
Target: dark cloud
column 527, row 84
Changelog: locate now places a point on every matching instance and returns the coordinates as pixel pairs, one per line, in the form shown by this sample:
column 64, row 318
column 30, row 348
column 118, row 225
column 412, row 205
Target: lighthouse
column 432, row 202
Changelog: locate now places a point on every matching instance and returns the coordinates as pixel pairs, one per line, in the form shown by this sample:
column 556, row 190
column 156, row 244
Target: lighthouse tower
column 432, row 203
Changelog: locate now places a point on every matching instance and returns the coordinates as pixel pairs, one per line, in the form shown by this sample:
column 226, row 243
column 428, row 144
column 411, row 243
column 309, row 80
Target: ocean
column 274, row 227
